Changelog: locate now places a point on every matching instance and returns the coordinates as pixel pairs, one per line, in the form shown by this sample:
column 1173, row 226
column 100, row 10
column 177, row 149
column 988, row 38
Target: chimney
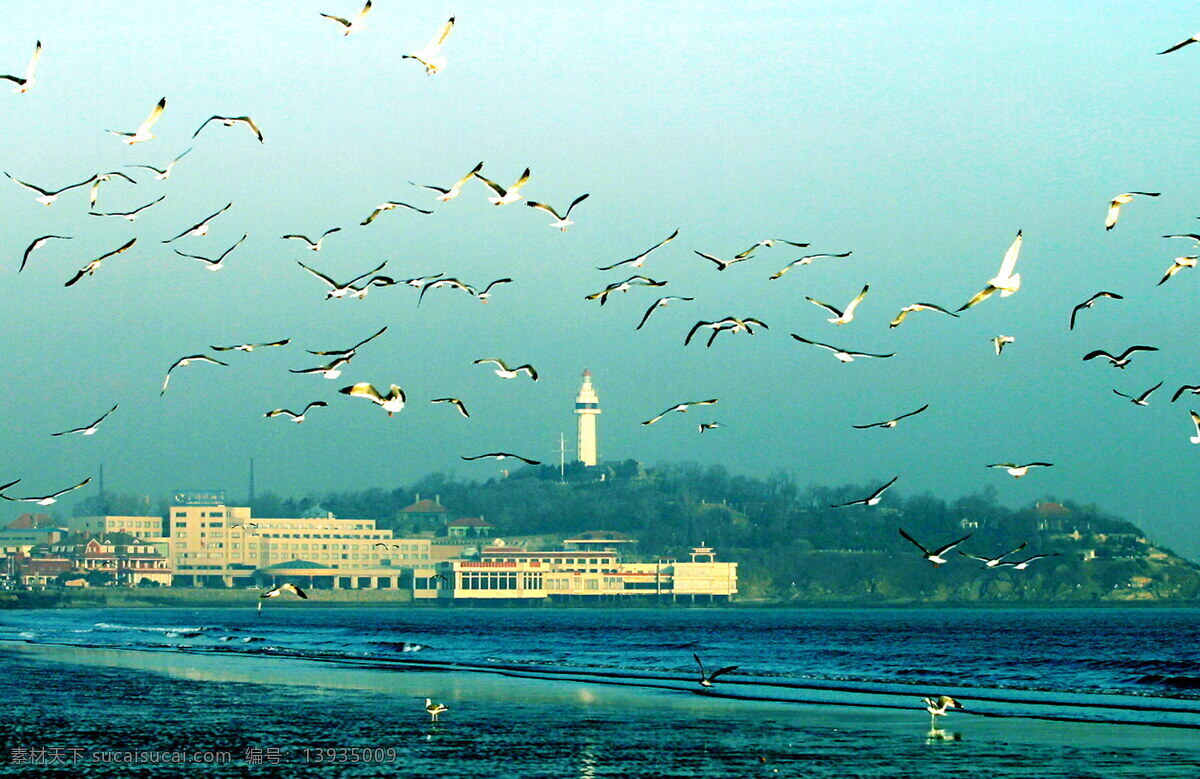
column 418, row 498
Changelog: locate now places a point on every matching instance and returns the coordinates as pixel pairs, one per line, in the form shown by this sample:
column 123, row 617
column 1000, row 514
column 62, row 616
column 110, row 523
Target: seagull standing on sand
column 1017, row 471
column 505, row 372
column 37, row 244
column 431, row 56
column 46, row 196
column 504, row 196
column 184, row 361
column 392, row 402
column 297, row 418
column 842, row 317
column 314, row 245
column 1140, row 400
column 935, row 556
column 434, row 709
column 455, row 190
column 638, row 260
column 162, row 174
column 844, row 355
column 94, row 265
column 563, row 220
column 1091, row 302
column 1114, row 208
column 681, row 408
column 217, row 264
column 43, row 500
column 1123, row 359
column 706, row 679
column 871, row 500
column 937, row 707
column 88, row 429
column 201, row 227
column 1005, row 282
column 26, row 83
column 142, row 133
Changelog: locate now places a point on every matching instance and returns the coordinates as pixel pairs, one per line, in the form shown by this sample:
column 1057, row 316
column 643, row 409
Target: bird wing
column 209, row 119
column 942, row 550
column 720, row 671
column 304, row 238
column 912, row 413
column 576, row 202
column 854, row 303
column 533, row 374
column 1114, row 211
column 521, row 181
column 825, row 306
column 1099, row 353
column 1014, row 551
column 33, row 245
column 913, row 541
column 362, row 390
column 1010, row 257
column 1137, row 348
column 68, row 489
column 488, row 288
column 153, row 117
column 980, row 296
column 719, row 262
column 440, row 36
column 544, row 207
column 1075, row 311
column 1147, row 393
column 883, row 489
column 866, row 427
column 499, row 190
column 492, row 360
column 332, row 284
column 1178, row 46
column 257, row 132
column 1183, row 389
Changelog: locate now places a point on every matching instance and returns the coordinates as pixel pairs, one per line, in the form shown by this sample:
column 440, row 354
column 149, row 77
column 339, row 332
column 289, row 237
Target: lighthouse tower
column 587, row 406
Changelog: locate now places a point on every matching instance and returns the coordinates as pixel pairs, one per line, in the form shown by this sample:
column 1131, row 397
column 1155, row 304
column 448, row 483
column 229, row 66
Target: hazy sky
column 919, row 135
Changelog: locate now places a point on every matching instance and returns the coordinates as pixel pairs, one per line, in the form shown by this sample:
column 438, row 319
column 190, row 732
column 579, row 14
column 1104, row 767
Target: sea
column 603, row 692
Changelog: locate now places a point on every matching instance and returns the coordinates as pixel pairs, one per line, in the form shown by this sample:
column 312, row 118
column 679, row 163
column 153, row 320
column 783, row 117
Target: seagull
column 1000, row 341
column 770, row 243
column 681, row 408
column 100, row 178
column 1005, row 282
column 504, row 196
column 217, row 264
column 564, row 220
column 806, row 260
column 487, row 291
column 184, row 361
column 297, row 418
column 706, row 679
column 37, row 244
column 640, row 259
column 24, row 84
column 455, row 190
column 935, row 556
column 937, row 707
column 162, row 174
column 142, row 133
column 504, row 372
column 722, row 264
column 709, row 426
column 870, row 500
column 420, row 281
column 842, row 317
column 275, row 592
column 391, row 402
column 46, row 196
column 230, row 121
column 337, row 290
column 1178, row 264
column 1091, row 302
column 624, row 286
column 351, row 25
column 434, row 709
column 130, row 215
column 1140, row 400
column 352, row 349
column 201, row 227
column 918, row 307
column 88, row 429
column 330, row 371
column 992, row 562
column 94, row 265
column 1196, row 422
column 842, row 354
column 458, row 404
column 660, row 303
column 1181, row 44
column 1023, row 564
column 249, row 347
column 501, row 456
column 1114, row 208
column 315, row 246
column 431, row 56
column 374, row 281
column 730, row 324
column 388, row 206
column 43, row 500
column 891, row 422
column 1123, row 360
column 1192, row 388
column 445, row 282
column 1017, row 471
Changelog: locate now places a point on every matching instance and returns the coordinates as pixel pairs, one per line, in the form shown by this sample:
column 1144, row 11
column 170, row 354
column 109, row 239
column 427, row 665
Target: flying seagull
column 638, row 260
column 1017, row 471
column 352, row 349
column 94, row 265
column 1140, row 400
column 918, row 307
column 504, row 372
column 388, row 206
column 728, row 324
column 660, row 303
column 275, row 592
column 351, row 25
column 217, row 264
column 250, row 347
column 1005, row 282
column 1123, row 360
column 1000, row 341
column 681, row 408
column 624, row 286
column 709, row 426
column 455, row 190
column 722, row 264
column 431, row 56
column 45, row 500
column 1178, row 264
column 842, row 317
column 842, row 354
column 88, row 429
column 1114, row 207
column 1091, row 302
column 100, row 178
column 487, row 291
column 297, row 418
column 330, row 371
column 434, row 709
column 162, row 174
column 37, row 244
column 130, row 215
column 706, row 679
column 891, row 422
column 142, row 133
column 337, row 290
column 448, row 281
column 1192, row 388
column 1181, row 44
column 230, row 121
column 1023, row 564
column 504, row 196
column 184, row 361
column 935, row 556
column 806, row 260
column 23, row 84
column 501, row 456
column 992, row 562
column 392, row 402
column 314, row 245
column 870, row 500
column 201, row 227
column 458, row 404
column 47, row 196
column 564, row 220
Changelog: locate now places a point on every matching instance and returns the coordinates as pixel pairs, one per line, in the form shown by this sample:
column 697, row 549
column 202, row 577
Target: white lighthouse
column 587, row 406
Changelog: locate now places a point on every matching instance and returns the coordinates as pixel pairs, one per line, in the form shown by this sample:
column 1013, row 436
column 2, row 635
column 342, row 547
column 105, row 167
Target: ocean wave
column 1178, row 682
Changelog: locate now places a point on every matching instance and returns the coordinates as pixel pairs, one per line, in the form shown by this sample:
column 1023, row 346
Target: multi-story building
column 128, row 559
column 142, row 527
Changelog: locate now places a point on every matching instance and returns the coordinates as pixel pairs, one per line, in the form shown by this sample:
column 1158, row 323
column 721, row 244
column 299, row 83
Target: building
column 425, row 512
column 128, row 559
column 469, row 527
column 599, row 541
column 142, row 527
column 587, row 407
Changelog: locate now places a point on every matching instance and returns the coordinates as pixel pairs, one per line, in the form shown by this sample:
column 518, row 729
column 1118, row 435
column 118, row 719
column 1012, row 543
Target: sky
column 921, row 136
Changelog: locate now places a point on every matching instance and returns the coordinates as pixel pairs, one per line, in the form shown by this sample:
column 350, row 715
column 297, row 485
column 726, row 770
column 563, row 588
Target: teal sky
column 919, row 135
